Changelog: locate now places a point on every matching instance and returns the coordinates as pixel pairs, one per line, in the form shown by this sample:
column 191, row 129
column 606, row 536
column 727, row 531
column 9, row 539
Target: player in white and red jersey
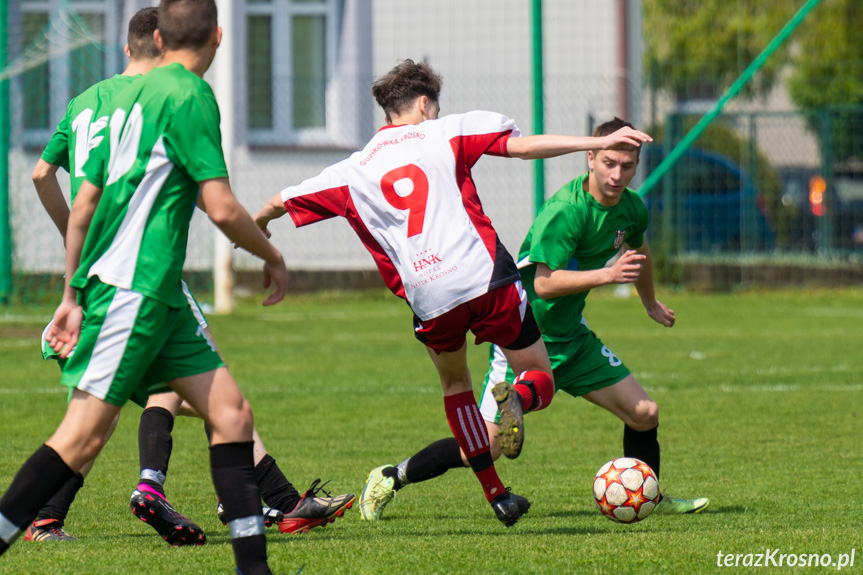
column 410, row 197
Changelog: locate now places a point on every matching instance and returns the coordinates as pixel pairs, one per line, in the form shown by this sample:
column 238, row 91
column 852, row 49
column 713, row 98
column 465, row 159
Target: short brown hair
column 401, row 86
column 611, row 127
column 140, row 37
column 187, row 23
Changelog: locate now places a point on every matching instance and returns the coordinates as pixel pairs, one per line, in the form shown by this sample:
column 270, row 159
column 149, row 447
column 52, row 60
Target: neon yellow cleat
column 672, row 506
column 377, row 493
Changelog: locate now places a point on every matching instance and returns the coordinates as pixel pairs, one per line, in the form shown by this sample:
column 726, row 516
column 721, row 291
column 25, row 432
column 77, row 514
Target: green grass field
column 761, row 409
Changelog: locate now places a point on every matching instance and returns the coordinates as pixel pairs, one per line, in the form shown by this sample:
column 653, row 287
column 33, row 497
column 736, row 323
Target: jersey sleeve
column 636, row 239
column 554, row 235
column 57, row 150
column 320, row 198
column 476, row 133
column 194, row 139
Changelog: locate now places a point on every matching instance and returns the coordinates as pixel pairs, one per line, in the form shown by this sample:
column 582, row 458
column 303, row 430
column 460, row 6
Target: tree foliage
column 697, row 48
column 828, row 73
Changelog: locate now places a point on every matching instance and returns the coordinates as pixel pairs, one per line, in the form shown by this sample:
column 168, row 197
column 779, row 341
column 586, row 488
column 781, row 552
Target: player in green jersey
column 78, row 132
column 589, row 234
column 126, row 241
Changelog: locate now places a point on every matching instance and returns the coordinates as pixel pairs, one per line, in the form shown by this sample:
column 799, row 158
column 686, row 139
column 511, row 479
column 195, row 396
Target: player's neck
column 195, row 61
column 136, row 67
column 592, row 188
column 412, row 117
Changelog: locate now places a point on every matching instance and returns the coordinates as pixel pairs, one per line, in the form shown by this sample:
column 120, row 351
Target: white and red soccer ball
column 626, row 490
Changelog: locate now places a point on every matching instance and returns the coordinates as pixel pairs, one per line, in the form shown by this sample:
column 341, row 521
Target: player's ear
column 127, row 51
column 217, row 36
column 157, row 38
column 590, row 159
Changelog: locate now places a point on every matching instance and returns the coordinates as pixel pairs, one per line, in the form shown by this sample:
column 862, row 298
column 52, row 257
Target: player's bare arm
column 218, row 201
column 657, row 311
column 66, row 325
column 45, row 180
column 273, row 209
column 550, row 284
column 551, row 145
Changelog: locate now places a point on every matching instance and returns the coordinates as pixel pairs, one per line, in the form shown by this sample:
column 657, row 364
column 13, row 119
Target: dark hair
column 400, row 87
column 140, row 37
column 187, row 23
column 611, row 127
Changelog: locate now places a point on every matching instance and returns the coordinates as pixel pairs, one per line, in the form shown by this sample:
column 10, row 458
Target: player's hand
column 660, row 313
column 65, row 328
column 276, row 275
column 627, row 268
column 625, row 135
column 263, row 220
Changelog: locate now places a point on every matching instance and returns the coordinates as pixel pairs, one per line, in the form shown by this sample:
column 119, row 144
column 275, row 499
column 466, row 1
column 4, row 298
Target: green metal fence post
column 670, row 227
column 5, row 231
column 538, row 99
column 825, row 221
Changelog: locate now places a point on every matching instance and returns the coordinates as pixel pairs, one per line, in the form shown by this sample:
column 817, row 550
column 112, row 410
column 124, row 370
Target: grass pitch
column 761, row 409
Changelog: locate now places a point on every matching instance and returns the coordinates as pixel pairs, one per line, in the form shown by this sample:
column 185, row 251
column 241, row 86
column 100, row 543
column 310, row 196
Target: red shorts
column 501, row 316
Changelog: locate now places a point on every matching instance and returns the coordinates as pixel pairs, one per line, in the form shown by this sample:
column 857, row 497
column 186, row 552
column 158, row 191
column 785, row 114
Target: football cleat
column 158, row 513
column 510, row 432
column 509, row 507
column 47, row 530
column 271, row 516
column 313, row 511
column 377, row 493
column 672, row 506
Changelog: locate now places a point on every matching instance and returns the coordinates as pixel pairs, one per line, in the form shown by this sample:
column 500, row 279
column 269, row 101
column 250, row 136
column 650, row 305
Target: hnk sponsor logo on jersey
column 619, row 236
column 425, row 262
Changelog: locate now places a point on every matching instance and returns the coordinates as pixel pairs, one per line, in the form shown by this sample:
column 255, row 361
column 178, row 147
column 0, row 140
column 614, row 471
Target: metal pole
column 538, row 112
column 223, row 258
column 5, row 231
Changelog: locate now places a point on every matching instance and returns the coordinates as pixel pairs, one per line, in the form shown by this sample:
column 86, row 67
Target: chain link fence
column 767, row 189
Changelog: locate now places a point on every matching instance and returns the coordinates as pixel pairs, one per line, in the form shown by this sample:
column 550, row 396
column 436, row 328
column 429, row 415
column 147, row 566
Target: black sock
column 154, row 446
column 428, row 463
column 276, row 491
column 39, row 478
column 642, row 445
column 58, row 506
column 232, row 466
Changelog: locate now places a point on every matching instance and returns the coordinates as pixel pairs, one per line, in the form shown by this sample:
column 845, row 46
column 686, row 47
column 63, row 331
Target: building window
column 62, row 49
column 290, row 57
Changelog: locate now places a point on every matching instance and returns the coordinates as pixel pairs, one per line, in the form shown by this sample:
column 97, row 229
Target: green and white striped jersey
column 83, row 127
column 163, row 140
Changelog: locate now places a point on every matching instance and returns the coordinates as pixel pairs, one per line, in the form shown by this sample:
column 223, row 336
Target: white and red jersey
column 410, row 197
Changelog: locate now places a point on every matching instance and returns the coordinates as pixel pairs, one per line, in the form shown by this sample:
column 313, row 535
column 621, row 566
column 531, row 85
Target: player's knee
column 540, row 389
column 646, row 416
column 233, row 424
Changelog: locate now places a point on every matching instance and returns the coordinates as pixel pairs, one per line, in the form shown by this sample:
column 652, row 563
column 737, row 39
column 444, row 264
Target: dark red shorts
column 501, row 316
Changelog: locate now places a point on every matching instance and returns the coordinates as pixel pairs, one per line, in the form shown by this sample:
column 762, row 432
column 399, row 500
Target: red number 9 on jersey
column 414, row 202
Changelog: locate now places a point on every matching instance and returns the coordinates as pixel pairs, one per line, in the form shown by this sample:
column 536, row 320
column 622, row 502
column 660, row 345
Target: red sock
column 536, row 391
column 469, row 429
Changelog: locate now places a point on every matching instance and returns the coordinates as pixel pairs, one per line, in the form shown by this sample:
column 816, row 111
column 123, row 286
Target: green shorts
column 132, row 345
column 580, row 365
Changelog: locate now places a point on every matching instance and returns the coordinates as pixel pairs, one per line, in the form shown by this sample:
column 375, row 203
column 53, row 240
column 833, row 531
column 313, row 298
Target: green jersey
column 163, row 139
column 573, row 231
column 82, row 128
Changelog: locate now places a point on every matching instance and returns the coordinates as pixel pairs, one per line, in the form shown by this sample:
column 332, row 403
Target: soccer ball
column 626, row 490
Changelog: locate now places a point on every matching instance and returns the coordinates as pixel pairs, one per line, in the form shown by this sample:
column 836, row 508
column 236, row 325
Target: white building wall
column 482, row 48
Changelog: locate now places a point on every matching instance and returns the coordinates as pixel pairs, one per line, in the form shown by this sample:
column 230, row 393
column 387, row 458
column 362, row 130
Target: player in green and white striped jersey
column 80, row 130
column 128, row 246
